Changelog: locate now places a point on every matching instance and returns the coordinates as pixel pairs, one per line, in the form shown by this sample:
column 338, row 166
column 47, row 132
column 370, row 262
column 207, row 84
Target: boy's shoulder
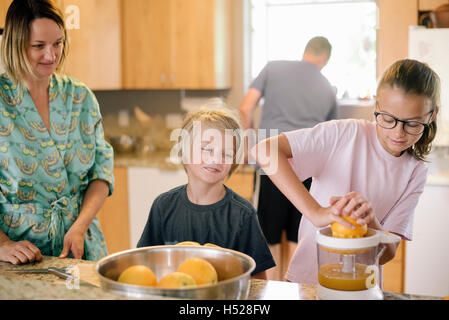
column 170, row 195
column 240, row 202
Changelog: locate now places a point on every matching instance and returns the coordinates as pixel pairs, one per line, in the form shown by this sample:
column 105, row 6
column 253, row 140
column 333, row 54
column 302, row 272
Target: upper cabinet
column 176, row 44
column 146, row 43
column 4, row 5
column 428, row 5
column 395, row 17
column 94, row 28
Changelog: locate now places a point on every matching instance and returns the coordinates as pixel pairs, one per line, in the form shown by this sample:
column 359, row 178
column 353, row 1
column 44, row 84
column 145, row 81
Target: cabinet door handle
column 172, row 79
column 163, row 78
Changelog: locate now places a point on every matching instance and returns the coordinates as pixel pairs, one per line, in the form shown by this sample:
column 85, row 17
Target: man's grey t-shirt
column 296, row 96
column 229, row 223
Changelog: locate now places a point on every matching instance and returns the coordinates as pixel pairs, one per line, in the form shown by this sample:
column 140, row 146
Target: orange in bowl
column 200, row 269
column 188, row 243
column 138, row 275
column 340, row 231
column 176, row 280
column 211, row 245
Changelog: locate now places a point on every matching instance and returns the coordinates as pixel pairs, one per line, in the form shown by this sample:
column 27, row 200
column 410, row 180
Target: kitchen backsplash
column 152, row 102
column 166, row 109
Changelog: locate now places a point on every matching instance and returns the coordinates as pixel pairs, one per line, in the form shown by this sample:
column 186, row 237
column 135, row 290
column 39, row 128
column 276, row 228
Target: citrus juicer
column 348, row 268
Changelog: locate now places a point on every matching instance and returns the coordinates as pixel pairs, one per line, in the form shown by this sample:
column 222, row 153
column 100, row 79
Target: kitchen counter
column 49, row 287
column 159, row 159
column 438, row 179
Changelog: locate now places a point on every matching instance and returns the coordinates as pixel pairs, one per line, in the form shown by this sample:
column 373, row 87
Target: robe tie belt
column 54, row 219
column 61, row 209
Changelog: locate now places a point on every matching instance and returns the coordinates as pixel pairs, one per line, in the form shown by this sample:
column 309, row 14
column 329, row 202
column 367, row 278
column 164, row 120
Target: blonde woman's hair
column 418, row 78
column 223, row 119
column 15, row 38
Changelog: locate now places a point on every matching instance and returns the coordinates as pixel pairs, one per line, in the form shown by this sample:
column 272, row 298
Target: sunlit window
column 281, row 29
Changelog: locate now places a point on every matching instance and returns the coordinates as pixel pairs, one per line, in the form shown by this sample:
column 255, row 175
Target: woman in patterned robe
column 55, row 166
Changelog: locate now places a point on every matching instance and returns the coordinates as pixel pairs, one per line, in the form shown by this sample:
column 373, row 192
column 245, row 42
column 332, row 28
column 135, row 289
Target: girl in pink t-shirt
column 373, row 172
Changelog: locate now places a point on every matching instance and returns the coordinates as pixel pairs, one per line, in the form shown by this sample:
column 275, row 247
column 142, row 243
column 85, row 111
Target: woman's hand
column 95, row 195
column 74, row 242
column 19, row 252
column 353, row 205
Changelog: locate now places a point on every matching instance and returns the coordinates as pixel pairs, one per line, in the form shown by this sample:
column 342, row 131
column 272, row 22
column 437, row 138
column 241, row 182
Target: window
column 281, row 29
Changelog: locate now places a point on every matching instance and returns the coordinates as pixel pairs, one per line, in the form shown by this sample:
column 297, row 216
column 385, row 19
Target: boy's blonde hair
column 418, row 78
column 223, row 119
column 15, row 38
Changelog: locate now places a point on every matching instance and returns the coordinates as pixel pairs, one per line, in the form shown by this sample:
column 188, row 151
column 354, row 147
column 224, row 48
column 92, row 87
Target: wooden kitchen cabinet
column 428, row 5
column 4, row 5
column 201, row 53
column 95, row 47
column 394, row 271
column 176, row 44
column 242, row 183
column 114, row 215
column 395, row 17
column 146, row 43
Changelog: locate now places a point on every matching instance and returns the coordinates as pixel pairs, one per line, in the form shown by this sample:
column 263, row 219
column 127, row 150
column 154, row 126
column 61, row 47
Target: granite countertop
column 159, row 159
column 18, row 286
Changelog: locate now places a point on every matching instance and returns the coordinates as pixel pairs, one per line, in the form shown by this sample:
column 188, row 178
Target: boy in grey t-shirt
column 205, row 210
column 229, row 223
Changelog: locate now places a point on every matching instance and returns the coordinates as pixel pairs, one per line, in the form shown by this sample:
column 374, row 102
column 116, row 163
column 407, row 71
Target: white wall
column 427, row 255
column 145, row 184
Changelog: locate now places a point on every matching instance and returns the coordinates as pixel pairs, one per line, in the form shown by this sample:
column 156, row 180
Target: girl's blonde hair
column 15, row 38
column 223, row 119
column 418, row 78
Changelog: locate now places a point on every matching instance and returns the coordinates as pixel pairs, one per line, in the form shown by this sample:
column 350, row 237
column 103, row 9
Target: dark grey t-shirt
column 296, row 96
column 230, row 223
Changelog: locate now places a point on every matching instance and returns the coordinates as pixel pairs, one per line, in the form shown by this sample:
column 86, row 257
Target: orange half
column 340, row 231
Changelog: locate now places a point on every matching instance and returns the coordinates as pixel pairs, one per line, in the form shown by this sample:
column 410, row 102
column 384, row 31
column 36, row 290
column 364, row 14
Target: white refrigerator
column 432, row 47
column 427, row 255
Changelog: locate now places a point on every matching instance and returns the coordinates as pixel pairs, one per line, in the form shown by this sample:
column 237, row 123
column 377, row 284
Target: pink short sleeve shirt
column 344, row 156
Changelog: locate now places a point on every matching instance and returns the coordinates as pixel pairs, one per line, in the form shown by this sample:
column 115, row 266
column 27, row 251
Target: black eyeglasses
column 413, row 127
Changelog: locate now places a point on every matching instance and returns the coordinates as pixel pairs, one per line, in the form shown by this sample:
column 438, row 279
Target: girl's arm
column 94, row 198
column 274, row 161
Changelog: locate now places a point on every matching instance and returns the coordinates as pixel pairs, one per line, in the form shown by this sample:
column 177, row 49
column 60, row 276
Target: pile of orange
column 191, row 272
column 139, row 275
column 193, row 243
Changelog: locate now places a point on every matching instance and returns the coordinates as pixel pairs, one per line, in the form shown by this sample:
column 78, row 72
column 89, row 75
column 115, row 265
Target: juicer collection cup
column 348, row 268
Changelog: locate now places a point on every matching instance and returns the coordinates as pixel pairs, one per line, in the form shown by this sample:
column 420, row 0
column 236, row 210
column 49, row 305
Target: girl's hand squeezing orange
column 353, row 205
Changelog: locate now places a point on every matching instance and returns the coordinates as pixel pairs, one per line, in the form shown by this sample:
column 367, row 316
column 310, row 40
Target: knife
column 60, row 272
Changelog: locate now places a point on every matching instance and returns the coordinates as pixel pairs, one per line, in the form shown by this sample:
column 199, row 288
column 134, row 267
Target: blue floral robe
column 44, row 173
